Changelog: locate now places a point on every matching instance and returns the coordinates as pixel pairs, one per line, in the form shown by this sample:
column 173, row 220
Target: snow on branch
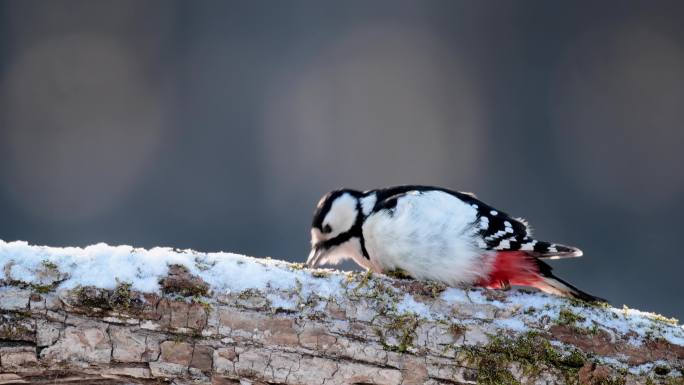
column 127, row 315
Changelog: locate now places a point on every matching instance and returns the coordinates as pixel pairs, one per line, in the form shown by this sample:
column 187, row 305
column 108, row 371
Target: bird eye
column 327, row 229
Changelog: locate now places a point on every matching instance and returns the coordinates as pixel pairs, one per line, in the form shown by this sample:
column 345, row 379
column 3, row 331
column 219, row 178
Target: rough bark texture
column 365, row 334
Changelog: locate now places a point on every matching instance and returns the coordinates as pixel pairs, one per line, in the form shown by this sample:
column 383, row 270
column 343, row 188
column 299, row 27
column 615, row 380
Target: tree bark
column 368, row 330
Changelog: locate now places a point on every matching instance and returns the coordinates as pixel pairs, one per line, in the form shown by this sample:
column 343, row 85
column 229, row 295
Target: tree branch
column 228, row 319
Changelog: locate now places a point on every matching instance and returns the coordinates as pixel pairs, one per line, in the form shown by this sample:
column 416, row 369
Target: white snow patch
column 409, row 305
column 511, row 324
column 279, row 302
column 106, row 266
column 453, row 295
column 643, row 368
column 611, row 361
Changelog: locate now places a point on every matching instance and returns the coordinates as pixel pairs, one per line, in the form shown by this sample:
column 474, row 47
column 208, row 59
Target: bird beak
column 315, row 256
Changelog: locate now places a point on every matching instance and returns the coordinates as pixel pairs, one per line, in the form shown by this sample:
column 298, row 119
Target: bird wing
column 498, row 231
column 501, row 232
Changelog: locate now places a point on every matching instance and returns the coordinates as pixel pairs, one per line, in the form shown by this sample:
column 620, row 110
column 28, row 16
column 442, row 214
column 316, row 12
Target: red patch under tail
column 513, row 268
column 521, row 269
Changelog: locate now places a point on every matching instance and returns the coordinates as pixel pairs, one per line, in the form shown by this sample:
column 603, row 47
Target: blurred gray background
column 218, row 125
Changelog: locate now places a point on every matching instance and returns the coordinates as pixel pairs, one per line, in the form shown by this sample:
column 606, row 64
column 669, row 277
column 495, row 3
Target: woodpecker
column 433, row 233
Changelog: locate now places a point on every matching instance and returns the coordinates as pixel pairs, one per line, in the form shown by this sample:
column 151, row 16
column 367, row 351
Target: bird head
column 335, row 230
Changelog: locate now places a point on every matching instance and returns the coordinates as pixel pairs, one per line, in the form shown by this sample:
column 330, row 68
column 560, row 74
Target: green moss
column 298, row 289
column 202, row 301
column 593, row 330
column 320, row 274
column 406, row 325
column 663, row 319
column 435, row 288
column 297, row 266
column 121, row 296
column 611, row 381
column 15, row 332
column 40, row 288
column 249, row 293
column 49, row 265
column 384, row 298
column 661, row 370
column 43, row 289
column 396, row 331
column 398, row 273
column 530, row 350
column 575, row 359
column 567, row 318
column 181, row 282
column 576, row 302
column 192, row 291
column 491, row 372
column 364, row 281
column 403, row 329
column 22, row 313
column 457, row 329
column 203, row 265
column 622, row 371
column 675, row 381
column 317, row 316
column 376, row 291
column 303, row 303
column 625, row 310
column 92, row 298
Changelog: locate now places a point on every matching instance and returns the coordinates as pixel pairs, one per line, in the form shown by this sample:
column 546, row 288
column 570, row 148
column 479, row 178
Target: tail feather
column 546, row 250
column 554, row 285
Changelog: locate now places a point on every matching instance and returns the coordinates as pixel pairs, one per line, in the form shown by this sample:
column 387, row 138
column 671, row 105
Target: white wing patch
column 529, row 246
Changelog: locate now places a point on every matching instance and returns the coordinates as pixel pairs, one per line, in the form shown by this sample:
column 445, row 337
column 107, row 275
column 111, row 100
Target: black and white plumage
column 432, row 233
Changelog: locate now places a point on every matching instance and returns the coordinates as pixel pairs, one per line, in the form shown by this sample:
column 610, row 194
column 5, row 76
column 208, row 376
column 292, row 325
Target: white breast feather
column 430, row 236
